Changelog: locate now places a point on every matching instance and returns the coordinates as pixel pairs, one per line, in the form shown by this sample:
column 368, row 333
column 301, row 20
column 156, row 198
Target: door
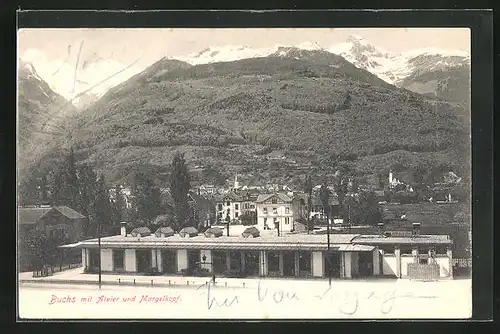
column 169, row 261
column 365, row 264
column 252, row 263
column 332, row 264
column 288, row 264
column 193, row 260
column 143, row 258
column 93, row 265
column 219, row 262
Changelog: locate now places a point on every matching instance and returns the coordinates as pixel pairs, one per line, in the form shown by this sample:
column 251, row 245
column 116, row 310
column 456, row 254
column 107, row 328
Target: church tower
column 236, row 183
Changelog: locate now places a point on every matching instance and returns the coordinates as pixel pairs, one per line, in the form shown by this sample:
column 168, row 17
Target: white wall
column 405, row 260
column 208, row 254
column 280, row 215
column 130, row 261
column 389, row 265
column 153, row 258
column 84, row 257
column 182, row 260
column 444, row 266
column 159, row 260
column 263, row 263
column 348, row 264
column 317, row 264
column 376, row 262
column 106, row 259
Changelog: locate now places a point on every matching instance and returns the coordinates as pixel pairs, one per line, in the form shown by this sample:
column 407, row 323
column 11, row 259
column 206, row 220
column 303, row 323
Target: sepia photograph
column 250, row 173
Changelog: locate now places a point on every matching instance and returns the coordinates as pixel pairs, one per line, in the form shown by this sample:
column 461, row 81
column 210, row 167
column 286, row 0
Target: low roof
column 265, row 197
column 265, row 242
column 32, row 215
column 141, row 230
column 189, row 230
column 400, row 240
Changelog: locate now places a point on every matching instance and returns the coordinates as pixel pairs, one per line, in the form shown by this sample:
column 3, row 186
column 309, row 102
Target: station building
column 260, row 254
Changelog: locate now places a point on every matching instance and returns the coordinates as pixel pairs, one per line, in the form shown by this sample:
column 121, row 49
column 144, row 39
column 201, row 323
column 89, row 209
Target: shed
column 213, row 232
column 140, row 232
column 187, row 232
column 251, row 232
column 164, row 232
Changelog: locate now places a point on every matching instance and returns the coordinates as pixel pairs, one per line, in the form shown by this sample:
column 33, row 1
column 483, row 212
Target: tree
column 72, row 180
column 180, row 184
column 365, row 209
column 308, row 188
column 118, row 205
column 87, row 180
column 324, row 195
column 64, row 186
column 102, row 207
column 145, row 198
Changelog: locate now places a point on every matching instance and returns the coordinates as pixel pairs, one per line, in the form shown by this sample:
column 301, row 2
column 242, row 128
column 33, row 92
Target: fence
column 51, row 270
column 426, row 272
column 462, row 263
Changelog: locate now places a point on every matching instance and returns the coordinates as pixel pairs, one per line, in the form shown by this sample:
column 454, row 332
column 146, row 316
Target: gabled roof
column 32, row 215
column 231, row 196
column 251, row 231
column 213, row 231
column 168, row 231
column 266, row 197
column 191, row 231
column 143, row 231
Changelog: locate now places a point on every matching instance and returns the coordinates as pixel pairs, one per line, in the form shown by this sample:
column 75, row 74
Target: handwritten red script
column 103, row 299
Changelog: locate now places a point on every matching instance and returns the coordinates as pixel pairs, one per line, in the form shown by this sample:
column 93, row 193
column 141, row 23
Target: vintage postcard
column 263, row 173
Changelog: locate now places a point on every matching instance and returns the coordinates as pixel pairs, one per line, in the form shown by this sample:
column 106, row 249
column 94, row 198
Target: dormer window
column 274, row 201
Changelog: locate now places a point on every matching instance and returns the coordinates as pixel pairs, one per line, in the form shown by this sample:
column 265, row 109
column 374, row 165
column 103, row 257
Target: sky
column 126, row 45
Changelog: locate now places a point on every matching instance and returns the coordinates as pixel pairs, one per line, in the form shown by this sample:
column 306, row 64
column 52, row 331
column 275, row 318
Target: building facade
column 274, row 211
column 290, row 255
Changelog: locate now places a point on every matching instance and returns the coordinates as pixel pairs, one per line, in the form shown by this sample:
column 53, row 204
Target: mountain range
column 437, row 73
column 43, row 115
column 270, row 116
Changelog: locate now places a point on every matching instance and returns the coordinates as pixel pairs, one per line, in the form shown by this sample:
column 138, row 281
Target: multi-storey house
column 274, row 211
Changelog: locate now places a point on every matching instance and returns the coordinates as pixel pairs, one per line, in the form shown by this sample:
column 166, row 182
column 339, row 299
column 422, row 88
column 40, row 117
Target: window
column 252, row 206
column 287, row 210
column 236, row 206
column 287, row 220
column 264, row 210
column 422, row 261
column 228, row 203
column 275, row 211
column 236, row 215
column 219, row 207
column 274, row 201
column 118, row 259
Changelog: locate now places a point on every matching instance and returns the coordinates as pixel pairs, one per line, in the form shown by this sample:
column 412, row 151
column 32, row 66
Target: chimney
column 123, row 229
column 380, row 228
column 416, row 229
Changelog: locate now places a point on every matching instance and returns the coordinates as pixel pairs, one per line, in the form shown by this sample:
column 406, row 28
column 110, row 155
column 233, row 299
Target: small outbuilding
column 140, row 232
column 188, row 232
column 164, row 232
column 251, row 232
column 213, row 232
